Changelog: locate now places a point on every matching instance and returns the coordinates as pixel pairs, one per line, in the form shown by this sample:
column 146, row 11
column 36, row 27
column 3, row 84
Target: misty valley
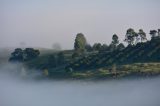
column 133, row 92
column 97, row 75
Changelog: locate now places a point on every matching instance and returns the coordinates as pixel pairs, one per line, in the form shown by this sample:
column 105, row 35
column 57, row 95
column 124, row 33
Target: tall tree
column 153, row 33
column 130, row 36
column 115, row 40
column 159, row 32
column 80, row 43
column 142, row 35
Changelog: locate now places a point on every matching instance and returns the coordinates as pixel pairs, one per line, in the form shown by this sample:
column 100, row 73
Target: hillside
column 141, row 59
column 139, row 53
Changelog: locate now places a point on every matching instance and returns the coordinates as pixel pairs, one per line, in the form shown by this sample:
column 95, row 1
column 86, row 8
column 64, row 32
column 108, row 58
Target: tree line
column 131, row 38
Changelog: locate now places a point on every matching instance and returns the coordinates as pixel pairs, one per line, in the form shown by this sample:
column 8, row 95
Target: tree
column 142, row 35
column 17, row 55
column 30, row 53
column 97, row 47
column 159, row 32
column 115, row 40
column 136, row 37
column 130, row 36
column 20, row 55
column 56, row 46
column 120, row 46
column 153, row 33
column 80, row 43
column 88, row 47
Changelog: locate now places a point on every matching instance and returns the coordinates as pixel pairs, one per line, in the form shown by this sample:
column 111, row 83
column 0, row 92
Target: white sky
column 40, row 23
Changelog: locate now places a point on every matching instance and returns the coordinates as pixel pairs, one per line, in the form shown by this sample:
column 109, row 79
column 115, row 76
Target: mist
column 15, row 91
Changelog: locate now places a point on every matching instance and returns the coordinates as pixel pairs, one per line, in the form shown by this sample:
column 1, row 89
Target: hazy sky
column 41, row 23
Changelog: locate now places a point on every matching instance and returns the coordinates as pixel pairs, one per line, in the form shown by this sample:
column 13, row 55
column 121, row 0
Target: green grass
column 137, row 69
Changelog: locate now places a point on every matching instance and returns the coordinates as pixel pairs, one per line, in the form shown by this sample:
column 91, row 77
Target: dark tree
column 142, row 35
column 130, row 36
column 24, row 55
column 17, row 55
column 159, row 32
column 30, row 53
column 115, row 40
column 153, row 33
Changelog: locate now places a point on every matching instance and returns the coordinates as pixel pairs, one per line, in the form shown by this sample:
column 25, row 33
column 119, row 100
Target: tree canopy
column 80, row 42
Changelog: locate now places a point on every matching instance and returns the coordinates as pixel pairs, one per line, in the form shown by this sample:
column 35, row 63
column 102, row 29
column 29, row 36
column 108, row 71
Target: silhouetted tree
column 30, row 53
column 159, row 32
column 142, row 35
column 130, row 36
column 24, row 55
column 115, row 40
column 153, row 33
column 17, row 55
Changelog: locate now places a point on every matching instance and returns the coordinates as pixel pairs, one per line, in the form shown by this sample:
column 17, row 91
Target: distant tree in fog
column 56, row 46
column 17, row 55
column 20, row 55
column 22, row 44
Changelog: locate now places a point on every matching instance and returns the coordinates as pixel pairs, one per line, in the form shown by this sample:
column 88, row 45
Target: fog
column 15, row 91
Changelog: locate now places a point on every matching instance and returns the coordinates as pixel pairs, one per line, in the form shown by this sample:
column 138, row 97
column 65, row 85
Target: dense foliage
column 20, row 55
column 90, row 57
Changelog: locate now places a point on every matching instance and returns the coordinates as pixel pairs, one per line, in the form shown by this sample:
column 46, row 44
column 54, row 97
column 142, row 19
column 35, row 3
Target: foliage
column 20, row 55
column 115, row 40
column 80, row 43
column 130, row 36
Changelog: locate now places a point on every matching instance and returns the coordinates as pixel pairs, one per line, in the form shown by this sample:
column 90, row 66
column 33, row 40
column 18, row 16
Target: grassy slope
column 136, row 69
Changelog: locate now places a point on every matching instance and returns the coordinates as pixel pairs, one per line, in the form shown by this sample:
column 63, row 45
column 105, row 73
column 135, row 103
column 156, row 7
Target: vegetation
column 100, row 60
column 20, row 55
